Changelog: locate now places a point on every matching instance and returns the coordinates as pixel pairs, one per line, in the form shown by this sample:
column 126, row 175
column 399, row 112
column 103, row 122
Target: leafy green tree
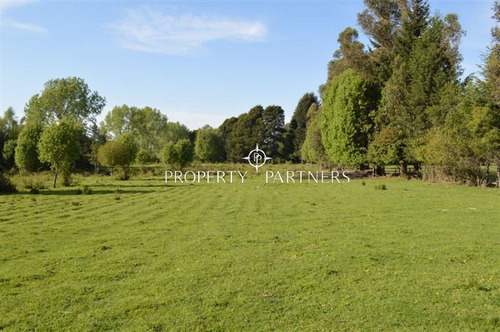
column 312, row 149
column 178, row 154
column 385, row 149
column 351, row 54
column 492, row 75
column 145, row 156
column 468, row 138
column 175, row 132
column 59, row 146
column 97, row 138
column 8, row 154
column 492, row 66
column 118, row 121
column 426, row 66
column 116, row 155
column 346, row 121
column 129, row 140
column 147, row 124
column 381, row 21
column 296, row 131
column 170, row 154
column 185, row 152
column 9, row 131
column 26, row 152
column 209, row 145
column 69, row 98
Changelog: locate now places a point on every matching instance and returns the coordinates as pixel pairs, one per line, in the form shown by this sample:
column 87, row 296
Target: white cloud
column 8, row 23
column 153, row 31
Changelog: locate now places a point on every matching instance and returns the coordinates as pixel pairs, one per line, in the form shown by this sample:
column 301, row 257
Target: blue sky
column 199, row 62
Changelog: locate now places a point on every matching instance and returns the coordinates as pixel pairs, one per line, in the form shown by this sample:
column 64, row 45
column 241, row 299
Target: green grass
column 140, row 255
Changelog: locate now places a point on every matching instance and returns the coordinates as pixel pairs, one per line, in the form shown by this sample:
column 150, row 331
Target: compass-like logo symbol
column 257, row 158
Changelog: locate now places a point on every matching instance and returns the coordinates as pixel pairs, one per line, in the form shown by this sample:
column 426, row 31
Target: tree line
column 398, row 101
column 401, row 100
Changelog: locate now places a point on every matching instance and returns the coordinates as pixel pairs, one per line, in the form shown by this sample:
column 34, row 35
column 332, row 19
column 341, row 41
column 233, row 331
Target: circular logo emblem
column 257, row 158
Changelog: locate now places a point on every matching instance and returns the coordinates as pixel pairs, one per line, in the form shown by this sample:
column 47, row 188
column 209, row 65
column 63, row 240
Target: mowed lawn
column 305, row 257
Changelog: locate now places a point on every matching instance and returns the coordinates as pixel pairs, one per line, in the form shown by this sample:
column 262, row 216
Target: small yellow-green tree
column 59, row 146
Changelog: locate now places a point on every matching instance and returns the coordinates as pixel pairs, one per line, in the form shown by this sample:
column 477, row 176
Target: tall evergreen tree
column 247, row 132
column 273, row 119
column 426, row 64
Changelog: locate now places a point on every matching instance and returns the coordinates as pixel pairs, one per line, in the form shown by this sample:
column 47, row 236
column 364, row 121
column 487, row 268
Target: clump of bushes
column 380, row 187
column 33, row 185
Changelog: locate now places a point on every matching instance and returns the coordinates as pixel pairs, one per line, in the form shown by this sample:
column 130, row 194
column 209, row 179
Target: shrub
column 6, row 186
column 380, row 187
column 84, row 190
column 26, row 152
column 34, row 190
column 32, row 184
column 117, row 154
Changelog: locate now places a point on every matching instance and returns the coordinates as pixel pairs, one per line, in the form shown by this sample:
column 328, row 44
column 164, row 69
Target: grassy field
column 141, row 255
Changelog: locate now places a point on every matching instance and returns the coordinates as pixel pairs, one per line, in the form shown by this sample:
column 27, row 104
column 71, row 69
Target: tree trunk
column 55, row 177
column 404, row 169
column 487, row 175
column 378, row 170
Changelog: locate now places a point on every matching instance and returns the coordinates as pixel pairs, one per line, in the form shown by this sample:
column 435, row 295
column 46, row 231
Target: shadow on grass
column 73, row 192
column 127, row 185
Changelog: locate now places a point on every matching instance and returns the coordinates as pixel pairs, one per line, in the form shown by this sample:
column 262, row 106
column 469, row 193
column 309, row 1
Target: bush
column 122, row 177
column 32, row 184
column 6, row 186
column 84, row 190
column 34, row 190
column 26, row 152
column 117, row 154
column 380, row 187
